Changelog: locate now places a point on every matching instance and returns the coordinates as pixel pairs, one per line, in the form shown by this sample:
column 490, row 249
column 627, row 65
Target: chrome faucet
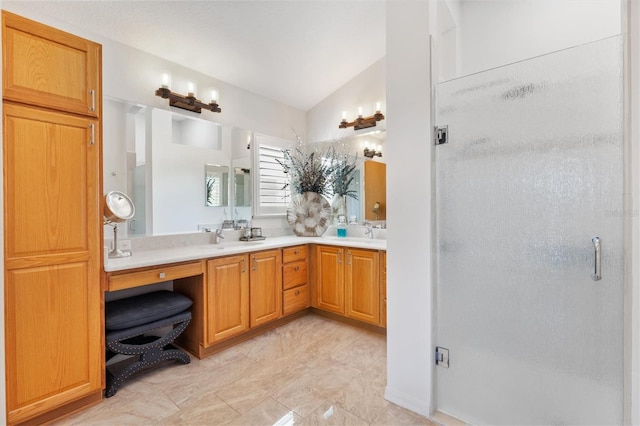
column 369, row 230
column 218, row 237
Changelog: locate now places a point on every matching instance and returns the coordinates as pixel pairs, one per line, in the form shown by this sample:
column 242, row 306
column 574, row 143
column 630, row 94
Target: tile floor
column 312, row 371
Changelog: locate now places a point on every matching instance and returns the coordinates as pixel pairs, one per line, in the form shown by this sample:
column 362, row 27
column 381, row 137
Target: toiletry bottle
column 342, row 227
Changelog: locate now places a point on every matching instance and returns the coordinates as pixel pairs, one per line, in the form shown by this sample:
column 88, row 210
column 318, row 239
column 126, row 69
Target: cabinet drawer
column 294, row 274
column 155, row 275
column 291, row 254
column 295, row 299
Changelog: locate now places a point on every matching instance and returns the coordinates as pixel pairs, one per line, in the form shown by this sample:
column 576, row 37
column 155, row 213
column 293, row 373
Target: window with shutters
column 271, row 196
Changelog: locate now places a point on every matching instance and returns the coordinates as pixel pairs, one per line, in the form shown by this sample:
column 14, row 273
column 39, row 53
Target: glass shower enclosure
column 529, row 250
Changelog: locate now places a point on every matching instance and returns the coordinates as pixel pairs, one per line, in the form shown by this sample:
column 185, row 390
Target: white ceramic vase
column 308, row 214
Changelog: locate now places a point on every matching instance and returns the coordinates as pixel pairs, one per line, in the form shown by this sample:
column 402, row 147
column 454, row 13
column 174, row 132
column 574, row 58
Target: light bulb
column 165, row 80
column 214, row 97
column 377, row 106
column 344, row 115
column 359, row 112
column 191, row 88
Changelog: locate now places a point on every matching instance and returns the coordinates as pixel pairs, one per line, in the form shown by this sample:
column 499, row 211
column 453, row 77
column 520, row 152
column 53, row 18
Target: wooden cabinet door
column 383, row 288
column 375, row 190
column 46, row 67
column 363, row 285
column 52, row 236
column 330, row 279
column 266, row 286
column 227, row 297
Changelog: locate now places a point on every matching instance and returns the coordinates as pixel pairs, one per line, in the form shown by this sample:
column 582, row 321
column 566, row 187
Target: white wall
column 632, row 308
column 409, row 152
column 364, row 90
column 498, row 32
column 447, row 40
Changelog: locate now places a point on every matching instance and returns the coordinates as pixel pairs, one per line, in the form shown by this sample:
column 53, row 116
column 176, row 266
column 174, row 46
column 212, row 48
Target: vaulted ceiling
column 293, row 51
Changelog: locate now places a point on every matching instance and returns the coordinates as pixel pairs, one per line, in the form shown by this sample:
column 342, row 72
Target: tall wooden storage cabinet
column 52, row 220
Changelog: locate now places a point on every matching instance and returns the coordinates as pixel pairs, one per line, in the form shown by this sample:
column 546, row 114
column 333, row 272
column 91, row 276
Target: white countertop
column 164, row 256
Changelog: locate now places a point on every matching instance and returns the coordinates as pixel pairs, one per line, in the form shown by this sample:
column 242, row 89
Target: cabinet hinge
column 441, row 135
column 442, row 357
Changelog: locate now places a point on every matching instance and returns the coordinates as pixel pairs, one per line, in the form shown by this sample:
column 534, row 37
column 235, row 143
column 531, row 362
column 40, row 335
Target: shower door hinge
column 442, row 357
column 441, row 135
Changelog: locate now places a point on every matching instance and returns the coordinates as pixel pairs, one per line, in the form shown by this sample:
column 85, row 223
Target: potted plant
column 342, row 177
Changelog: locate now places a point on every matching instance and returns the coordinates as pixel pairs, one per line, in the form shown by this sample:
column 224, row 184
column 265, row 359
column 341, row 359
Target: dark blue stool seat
column 128, row 322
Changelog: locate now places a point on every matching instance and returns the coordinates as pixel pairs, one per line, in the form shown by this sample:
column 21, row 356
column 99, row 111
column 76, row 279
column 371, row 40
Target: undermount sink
column 231, row 244
column 354, row 239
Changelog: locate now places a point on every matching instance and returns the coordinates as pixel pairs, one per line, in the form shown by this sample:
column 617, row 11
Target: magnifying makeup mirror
column 118, row 208
column 376, row 209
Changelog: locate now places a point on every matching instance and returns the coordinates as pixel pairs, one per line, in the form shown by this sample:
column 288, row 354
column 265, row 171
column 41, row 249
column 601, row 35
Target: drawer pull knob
column 297, row 268
column 297, row 293
column 296, row 252
column 162, row 275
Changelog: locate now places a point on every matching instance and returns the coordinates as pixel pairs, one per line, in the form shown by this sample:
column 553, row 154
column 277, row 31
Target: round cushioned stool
column 127, row 322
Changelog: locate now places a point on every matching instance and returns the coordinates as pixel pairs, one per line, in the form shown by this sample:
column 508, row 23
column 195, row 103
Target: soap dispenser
column 342, row 227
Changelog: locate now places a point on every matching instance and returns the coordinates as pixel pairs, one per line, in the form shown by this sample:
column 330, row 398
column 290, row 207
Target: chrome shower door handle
column 596, row 276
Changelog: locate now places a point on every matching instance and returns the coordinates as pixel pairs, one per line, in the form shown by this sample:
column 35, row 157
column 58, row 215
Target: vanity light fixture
column 188, row 102
column 371, row 152
column 361, row 122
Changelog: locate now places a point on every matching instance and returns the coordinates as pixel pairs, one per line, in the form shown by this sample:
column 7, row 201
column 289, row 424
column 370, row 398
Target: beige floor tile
column 127, row 408
column 313, row 371
column 300, row 395
column 332, row 415
column 203, row 409
column 364, row 395
column 268, row 412
column 396, row 415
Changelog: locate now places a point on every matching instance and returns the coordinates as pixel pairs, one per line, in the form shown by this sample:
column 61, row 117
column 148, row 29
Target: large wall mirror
column 157, row 157
column 369, row 181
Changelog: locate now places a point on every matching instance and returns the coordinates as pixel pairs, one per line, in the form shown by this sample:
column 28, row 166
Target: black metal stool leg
column 149, row 353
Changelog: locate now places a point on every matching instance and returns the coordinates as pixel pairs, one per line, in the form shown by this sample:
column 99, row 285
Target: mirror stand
column 118, row 207
column 116, row 252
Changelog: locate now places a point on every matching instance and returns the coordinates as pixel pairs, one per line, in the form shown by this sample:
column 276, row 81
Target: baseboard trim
column 406, row 401
column 444, row 419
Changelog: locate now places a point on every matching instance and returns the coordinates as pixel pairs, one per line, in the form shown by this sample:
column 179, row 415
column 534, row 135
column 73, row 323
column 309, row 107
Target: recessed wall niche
column 195, row 132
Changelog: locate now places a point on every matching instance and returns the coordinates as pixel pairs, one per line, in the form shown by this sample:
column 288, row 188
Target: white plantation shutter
column 270, row 179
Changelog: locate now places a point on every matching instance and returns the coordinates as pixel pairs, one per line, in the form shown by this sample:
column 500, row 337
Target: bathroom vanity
column 242, row 289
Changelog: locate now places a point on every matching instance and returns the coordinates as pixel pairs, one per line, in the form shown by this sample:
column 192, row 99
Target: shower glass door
column 531, row 173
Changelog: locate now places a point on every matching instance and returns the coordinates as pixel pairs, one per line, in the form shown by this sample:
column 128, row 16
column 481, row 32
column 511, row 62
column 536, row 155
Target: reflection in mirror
column 177, row 191
column 242, row 187
column 357, row 210
column 156, row 155
column 216, row 179
column 125, row 158
column 241, row 141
